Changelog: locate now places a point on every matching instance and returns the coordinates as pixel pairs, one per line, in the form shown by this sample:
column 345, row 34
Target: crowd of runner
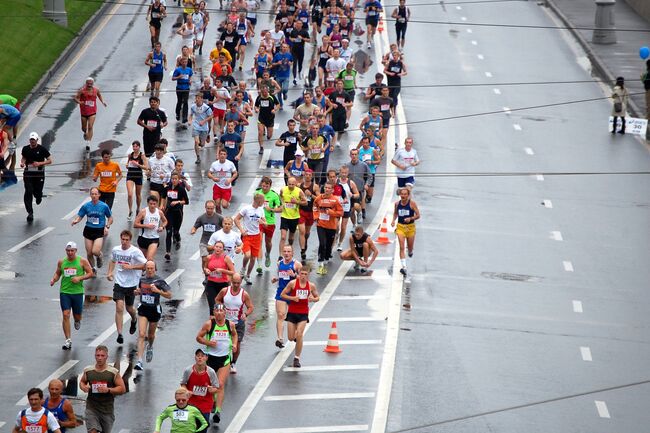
column 219, row 111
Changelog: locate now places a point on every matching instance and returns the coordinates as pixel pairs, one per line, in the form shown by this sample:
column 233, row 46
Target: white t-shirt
column 131, row 256
column 278, row 37
column 251, row 219
column 161, row 169
column 221, row 103
column 223, row 171
column 403, row 156
column 334, row 66
column 231, row 241
column 52, row 423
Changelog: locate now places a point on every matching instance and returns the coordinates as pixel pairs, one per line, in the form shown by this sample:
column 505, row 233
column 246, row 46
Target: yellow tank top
column 290, row 210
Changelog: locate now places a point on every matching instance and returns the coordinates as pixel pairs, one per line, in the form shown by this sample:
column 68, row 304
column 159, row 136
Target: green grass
column 31, row 43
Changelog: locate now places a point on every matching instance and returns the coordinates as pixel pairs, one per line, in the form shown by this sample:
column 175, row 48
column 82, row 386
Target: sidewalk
column 610, row 61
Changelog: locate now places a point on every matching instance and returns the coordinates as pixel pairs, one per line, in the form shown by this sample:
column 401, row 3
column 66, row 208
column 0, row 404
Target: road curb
column 38, row 88
column 601, row 69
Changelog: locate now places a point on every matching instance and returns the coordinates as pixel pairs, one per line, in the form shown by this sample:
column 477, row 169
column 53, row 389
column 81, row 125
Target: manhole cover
column 509, row 277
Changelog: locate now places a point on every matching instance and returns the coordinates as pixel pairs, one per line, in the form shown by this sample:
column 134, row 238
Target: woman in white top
column 188, row 31
column 152, row 222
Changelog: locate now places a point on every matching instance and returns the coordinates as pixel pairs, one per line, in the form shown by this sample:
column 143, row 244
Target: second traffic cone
column 383, row 233
column 333, row 341
column 380, row 28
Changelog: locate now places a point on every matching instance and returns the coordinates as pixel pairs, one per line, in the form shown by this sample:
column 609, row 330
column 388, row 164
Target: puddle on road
column 511, row 277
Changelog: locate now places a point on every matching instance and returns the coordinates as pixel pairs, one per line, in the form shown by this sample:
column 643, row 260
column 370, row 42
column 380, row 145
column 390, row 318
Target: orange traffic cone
column 381, row 24
column 333, row 341
column 383, row 233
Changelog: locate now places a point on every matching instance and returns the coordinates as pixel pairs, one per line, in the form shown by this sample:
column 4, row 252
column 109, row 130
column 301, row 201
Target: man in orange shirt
column 109, row 174
column 327, row 211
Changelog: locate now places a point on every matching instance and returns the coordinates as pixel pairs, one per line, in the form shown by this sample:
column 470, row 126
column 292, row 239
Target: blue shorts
column 405, row 181
column 13, row 120
column 278, row 295
column 74, row 302
column 242, row 40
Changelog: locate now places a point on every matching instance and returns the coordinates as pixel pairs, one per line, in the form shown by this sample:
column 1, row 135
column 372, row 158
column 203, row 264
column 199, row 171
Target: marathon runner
column 231, row 239
column 126, row 265
column 272, row 205
column 405, row 212
column 59, row 406
column 176, row 199
column 299, row 293
column 327, row 210
column 373, row 9
column 291, row 198
column 136, row 162
column 218, row 271
column 223, row 173
column 155, row 14
column 235, row 298
column 387, row 109
column 34, row 158
column 288, row 270
column 395, row 69
column 306, row 220
column 36, row 418
column 296, row 167
column 220, row 339
column 351, row 193
column 152, row 120
column 160, row 170
column 151, row 221
column 72, row 270
column 200, row 118
column 248, row 221
column 402, row 15
column 201, row 382
column 266, row 105
column 110, row 175
column 209, row 222
column 98, row 221
column 359, row 172
column 150, row 289
column 87, row 97
column 406, row 159
column 233, row 143
column 369, row 154
column 185, row 417
column 157, row 62
column 362, row 250
column 183, row 77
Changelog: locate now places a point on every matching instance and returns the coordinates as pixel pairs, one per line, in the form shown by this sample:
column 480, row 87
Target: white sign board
column 632, row 125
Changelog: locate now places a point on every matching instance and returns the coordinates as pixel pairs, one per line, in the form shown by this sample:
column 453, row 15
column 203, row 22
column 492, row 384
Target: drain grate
column 510, row 277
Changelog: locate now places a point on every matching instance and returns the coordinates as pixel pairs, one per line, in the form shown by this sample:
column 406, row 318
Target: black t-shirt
column 34, row 154
column 230, row 40
column 282, row 17
column 296, row 38
column 155, row 118
column 384, row 105
column 176, row 193
column 339, row 98
column 395, row 67
column 266, row 105
column 290, row 150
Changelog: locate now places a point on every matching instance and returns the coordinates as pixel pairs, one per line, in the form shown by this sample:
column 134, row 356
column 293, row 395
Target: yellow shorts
column 406, row 230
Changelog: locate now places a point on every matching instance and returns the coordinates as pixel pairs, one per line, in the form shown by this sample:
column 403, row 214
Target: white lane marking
column 343, row 342
column 586, row 353
column 480, row 56
column 316, row 429
column 265, row 158
column 517, row 127
column 383, row 258
column 367, row 277
column 75, row 210
column 568, row 266
column 548, row 204
column 196, row 255
column 470, row 31
column 529, row 151
column 177, row 273
column 7, row 275
column 506, row 110
column 323, row 396
column 540, row 177
column 474, row 43
column 2, row 423
column 30, row 240
column 108, row 332
column 601, row 407
column 496, row 91
column 463, row 18
column 356, row 298
column 557, row 236
column 125, row 430
column 333, row 367
column 55, row 375
column 352, row 319
column 254, row 185
column 458, row 8
column 577, row 306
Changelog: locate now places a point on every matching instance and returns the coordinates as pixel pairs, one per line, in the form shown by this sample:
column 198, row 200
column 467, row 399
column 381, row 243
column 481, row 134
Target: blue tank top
column 366, row 156
column 241, row 27
column 376, row 123
column 303, row 15
column 296, row 171
column 262, row 64
column 58, row 412
column 283, row 273
column 157, row 60
column 235, row 118
column 404, row 211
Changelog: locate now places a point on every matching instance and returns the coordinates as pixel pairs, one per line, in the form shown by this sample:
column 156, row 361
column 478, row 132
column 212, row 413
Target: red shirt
column 302, row 305
column 88, row 102
column 217, row 262
column 198, row 383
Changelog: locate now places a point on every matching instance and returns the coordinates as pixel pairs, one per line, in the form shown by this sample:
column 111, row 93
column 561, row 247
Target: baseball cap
column 199, row 350
column 71, row 246
column 34, row 135
column 299, row 152
column 219, row 307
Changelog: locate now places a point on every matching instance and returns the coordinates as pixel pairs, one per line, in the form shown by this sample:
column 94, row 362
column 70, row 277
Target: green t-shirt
column 348, row 78
column 71, row 269
column 272, row 199
column 8, row 99
column 183, row 420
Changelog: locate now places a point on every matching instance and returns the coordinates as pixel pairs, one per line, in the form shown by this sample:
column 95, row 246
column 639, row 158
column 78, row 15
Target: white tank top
column 234, row 305
column 348, row 195
column 151, row 218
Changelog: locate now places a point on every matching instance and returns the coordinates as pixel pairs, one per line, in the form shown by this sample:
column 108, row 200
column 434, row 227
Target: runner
column 150, row 289
column 351, row 193
column 125, row 267
column 261, row 62
column 185, row 417
column 296, row 167
column 183, row 77
column 136, row 163
column 176, row 199
column 373, row 9
column 160, row 170
column 231, row 240
column 72, row 270
column 102, row 382
column 362, row 250
column 233, row 143
column 221, row 96
column 209, row 222
column 87, row 97
column 406, row 159
column 152, row 120
column 110, row 175
column 304, row 112
column 218, row 270
column 291, row 198
column 371, row 156
column 395, row 69
column 299, row 293
column 234, row 298
column 327, row 210
column 223, row 173
column 387, row 109
column 324, row 53
column 36, row 418
column 157, row 62
column 151, row 221
column 60, row 406
column 405, row 212
column 248, row 221
column 98, row 221
column 231, row 41
column 220, row 338
column 246, row 33
column 9, row 118
column 185, row 179
column 360, row 175
column 314, row 146
column 200, row 23
column 306, row 220
column 155, row 14
column 288, row 269
column 200, row 117
column 402, row 15
column 272, row 205
column 289, row 143
column 266, row 106
column 340, row 103
column 34, row 158
column 201, row 382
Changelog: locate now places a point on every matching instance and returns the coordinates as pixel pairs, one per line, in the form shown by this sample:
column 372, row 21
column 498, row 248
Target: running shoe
column 39, row 200
column 339, row 248
column 364, row 270
column 296, row 362
column 168, row 257
column 178, row 245
column 216, row 417
column 261, row 151
column 120, row 339
column 248, row 280
column 94, row 272
column 198, row 161
column 402, row 271
column 279, row 344
column 77, row 324
column 130, row 216
column 30, row 217
column 132, row 327
column 295, row 83
column 138, row 366
column 324, row 270
column 242, row 271
column 233, row 369
column 369, row 45
column 259, row 270
column 100, row 261
column 149, row 353
column 410, row 253
column 356, row 266
column 267, row 262
column 303, row 256
column 321, row 269
column 67, row 345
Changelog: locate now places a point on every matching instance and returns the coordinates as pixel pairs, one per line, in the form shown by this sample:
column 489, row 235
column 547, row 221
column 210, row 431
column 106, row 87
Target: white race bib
column 324, row 216
column 209, row 227
column 200, row 390
column 302, row 293
column 181, row 415
column 93, row 220
column 148, row 299
column 69, row 272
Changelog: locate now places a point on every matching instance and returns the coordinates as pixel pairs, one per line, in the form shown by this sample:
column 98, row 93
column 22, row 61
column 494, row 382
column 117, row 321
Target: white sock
column 403, row 261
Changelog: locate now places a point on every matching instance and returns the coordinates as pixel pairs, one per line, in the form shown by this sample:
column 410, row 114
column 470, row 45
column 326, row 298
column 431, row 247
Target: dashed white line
column 548, row 204
column 506, row 110
column 568, row 266
column 55, row 375
column 601, row 407
column 540, row 177
column 470, row 31
column 557, row 236
column 577, row 306
column 265, row 158
column 384, row 258
column 585, row 352
column 474, row 43
column 174, row 275
column 254, row 185
column 352, row 319
column 333, row 367
column 458, row 8
column 480, row 56
column 30, row 240
column 2, row 423
column 196, row 255
column 75, row 210
column 315, row 429
column 517, row 127
column 529, row 151
column 108, row 332
column 496, row 91
column 488, row 74
column 322, row 396
column 463, row 18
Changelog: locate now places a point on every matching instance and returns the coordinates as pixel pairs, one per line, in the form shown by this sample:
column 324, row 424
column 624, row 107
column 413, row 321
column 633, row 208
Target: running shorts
column 252, row 243
column 124, row 294
column 406, row 230
column 93, row 233
column 72, row 302
column 296, row 318
column 219, row 193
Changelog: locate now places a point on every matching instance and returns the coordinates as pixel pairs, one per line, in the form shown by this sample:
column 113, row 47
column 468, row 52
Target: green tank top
column 290, row 211
column 71, row 269
column 220, row 334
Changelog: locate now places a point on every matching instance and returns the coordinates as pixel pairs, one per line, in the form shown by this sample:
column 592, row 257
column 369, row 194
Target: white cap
column 71, row 246
column 299, row 152
column 35, row 136
column 91, row 79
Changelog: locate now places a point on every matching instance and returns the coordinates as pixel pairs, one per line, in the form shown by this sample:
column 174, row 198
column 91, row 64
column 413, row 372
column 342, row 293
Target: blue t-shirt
column 184, row 74
column 231, row 143
column 198, row 114
column 9, row 111
column 328, row 132
column 95, row 214
column 284, row 70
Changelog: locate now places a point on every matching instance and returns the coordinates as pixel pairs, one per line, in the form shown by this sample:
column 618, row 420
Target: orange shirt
column 107, row 174
column 327, row 211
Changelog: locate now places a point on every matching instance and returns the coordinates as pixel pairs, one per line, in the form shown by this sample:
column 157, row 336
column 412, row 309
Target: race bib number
column 215, row 274
column 366, row 157
column 232, row 315
column 372, row 13
column 264, row 103
column 403, row 212
column 34, row 429
column 324, row 216
column 95, row 387
column 284, row 275
column 69, row 272
column 152, row 123
column 290, row 205
column 133, row 164
column 291, row 140
column 302, row 293
column 93, row 220
column 401, row 20
column 229, row 39
column 157, row 61
column 148, row 299
column 230, row 144
column 221, row 174
column 340, row 100
column 314, row 153
column 209, row 228
column 172, row 194
column 395, row 69
column 107, row 174
column 181, row 415
column 348, row 78
column 200, row 390
column 89, row 103
column 384, row 107
column 185, row 77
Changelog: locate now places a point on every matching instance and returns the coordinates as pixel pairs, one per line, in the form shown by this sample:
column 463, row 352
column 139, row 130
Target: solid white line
column 480, row 56
column 332, row 396
column 352, row 319
column 517, row 128
column 174, row 275
column 586, row 353
column 254, row 185
column 568, row 266
column 196, row 255
column 356, row 298
column 601, row 406
column 75, row 210
column 528, row 150
column 30, row 239
column 540, row 177
column 577, row 306
column 108, row 332
column 474, row 43
column 470, row 31
column 2, row 423
column 125, row 430
column 548, row 204
column 343, row 342
column 55, row 375
column 265, row 158
column 463, row 18
column 556, row 236
column 496, row 91
column 333, row 367
column 317, row 429
column 367, row 277
column 488, row 74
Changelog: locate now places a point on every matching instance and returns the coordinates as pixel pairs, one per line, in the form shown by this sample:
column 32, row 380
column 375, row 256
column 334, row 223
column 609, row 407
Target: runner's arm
column 57, row 273
column 314, row 297
column 160, row 418
column 373, row 248
column 249, row 304
column 101, row 98
column 88, row 270
column 200, row 337
column 71, row 422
